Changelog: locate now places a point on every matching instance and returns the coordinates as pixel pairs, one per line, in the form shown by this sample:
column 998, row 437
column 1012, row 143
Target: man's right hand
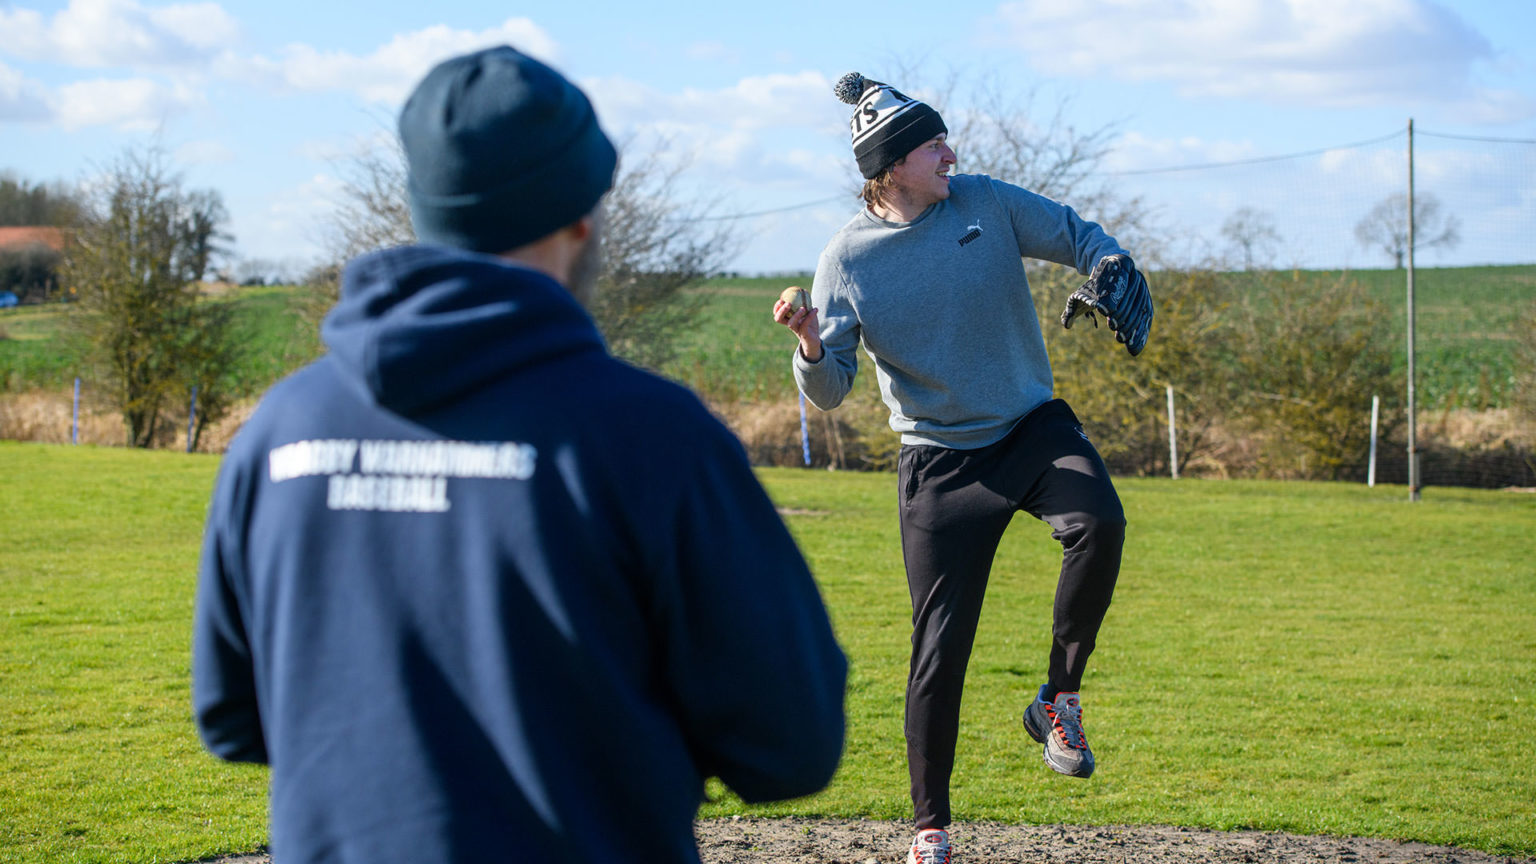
column 804, row 325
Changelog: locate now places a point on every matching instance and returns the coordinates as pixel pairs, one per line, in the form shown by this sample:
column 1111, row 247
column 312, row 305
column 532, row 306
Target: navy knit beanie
column 501, row 150
column 886, row 124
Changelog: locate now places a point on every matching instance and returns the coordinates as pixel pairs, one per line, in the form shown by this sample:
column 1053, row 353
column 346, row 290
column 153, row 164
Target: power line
column 756, row 213
column 1254, row 161
column 1477, row 138
column 1142, row 171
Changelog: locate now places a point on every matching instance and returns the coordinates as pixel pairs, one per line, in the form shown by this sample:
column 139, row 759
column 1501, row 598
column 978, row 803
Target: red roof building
column 21, row 237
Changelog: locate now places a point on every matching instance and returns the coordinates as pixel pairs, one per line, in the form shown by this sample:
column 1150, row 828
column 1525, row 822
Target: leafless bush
column 656, row 245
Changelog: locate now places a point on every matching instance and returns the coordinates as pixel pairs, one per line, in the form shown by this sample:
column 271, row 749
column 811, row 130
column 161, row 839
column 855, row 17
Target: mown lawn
column 1308, row 657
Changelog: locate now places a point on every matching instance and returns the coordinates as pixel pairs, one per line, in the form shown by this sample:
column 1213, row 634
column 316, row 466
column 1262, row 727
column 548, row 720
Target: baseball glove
column 1118, row 291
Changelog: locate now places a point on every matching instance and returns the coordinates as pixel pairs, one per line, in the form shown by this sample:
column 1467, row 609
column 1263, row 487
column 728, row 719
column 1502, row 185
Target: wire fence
column 1462, row 308
column 1345, row 209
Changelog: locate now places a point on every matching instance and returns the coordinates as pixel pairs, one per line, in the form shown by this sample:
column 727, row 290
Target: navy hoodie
column 474, row 588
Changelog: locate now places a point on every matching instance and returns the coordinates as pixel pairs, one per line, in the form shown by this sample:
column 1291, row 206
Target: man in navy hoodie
column 472, row 587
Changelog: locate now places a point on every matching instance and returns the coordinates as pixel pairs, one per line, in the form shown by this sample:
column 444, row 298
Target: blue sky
column 265, row 101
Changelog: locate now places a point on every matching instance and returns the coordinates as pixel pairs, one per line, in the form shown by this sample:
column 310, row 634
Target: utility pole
column 1413, row 417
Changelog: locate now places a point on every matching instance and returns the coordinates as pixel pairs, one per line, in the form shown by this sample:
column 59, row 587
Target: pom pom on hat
column 851, row 86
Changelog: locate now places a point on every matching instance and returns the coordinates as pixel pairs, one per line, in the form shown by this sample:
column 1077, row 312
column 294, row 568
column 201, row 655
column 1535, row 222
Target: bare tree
column 1254, row 235
column 656, row 245
column 267, row 271
column 1005, row 133
column 1386, row 226
column 135, row 264
column 373, row 211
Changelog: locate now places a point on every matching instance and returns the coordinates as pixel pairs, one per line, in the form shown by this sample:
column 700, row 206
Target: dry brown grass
column 853, row 437
column 1478, row 429
column 1461, row 447
column 45, row 416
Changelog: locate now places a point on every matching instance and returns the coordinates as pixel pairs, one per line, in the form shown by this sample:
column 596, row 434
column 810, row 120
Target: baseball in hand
column 796, row 297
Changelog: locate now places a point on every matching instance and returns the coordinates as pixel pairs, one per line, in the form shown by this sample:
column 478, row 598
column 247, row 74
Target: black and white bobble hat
column 886, row 124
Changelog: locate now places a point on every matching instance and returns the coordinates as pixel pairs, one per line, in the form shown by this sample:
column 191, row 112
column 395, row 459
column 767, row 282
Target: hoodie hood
column 420, row 325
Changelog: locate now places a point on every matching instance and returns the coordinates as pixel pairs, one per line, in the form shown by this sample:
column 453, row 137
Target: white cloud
column 348, row 148
column 754, row 141
column 1338, row 53
column 1134, row 151
column 205, row 25
column 23, row 33
column 291, row 222
column 119, row 33
column 766, row 101
column 1493, row 107
column 387, row 75
column 205, row 152
column 137, row 104
column 780, row 101
column 21, row 99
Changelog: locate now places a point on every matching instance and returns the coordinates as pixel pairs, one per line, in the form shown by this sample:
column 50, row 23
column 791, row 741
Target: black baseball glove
column 1118, row 291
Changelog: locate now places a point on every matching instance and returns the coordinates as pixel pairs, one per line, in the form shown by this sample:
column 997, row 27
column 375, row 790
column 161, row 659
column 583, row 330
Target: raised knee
column 1101, row 528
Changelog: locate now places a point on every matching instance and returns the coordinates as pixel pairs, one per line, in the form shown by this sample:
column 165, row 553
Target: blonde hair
column 879, row 187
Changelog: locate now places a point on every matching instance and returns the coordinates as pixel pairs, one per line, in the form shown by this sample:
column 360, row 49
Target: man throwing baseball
column 928, row 277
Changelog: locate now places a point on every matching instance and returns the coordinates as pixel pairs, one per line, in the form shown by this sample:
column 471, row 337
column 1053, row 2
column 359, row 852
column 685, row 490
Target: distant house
column 29, row 262
column 21, row 237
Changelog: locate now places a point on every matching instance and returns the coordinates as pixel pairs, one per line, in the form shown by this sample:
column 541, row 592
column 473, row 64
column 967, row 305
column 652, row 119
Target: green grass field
column 1316, row 658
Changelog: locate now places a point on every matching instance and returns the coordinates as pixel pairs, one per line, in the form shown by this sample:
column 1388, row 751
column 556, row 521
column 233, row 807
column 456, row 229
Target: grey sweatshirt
column 942, row 306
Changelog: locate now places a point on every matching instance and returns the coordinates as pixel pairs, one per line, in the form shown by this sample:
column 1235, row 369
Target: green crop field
column 1308, row 657
column 737, row 353
column 34, row 354
column 1468, row 319
column 30, row 351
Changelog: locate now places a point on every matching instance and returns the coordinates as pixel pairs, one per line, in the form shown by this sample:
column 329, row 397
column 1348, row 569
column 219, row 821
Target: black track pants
column 954, row 507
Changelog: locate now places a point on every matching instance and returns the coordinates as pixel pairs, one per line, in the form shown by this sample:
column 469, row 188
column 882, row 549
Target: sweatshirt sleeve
column 828, row 380
column 1051, row 231
column 224, row 699
column 751, row 657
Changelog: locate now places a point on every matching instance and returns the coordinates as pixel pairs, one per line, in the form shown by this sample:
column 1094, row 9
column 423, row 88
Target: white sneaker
column 929, row 847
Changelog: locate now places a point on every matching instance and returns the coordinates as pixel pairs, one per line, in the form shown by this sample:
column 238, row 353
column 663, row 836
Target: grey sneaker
column 930, row 846
column 1059, row 726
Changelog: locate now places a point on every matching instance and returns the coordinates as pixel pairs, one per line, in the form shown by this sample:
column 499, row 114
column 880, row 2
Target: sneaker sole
column 1083, row 773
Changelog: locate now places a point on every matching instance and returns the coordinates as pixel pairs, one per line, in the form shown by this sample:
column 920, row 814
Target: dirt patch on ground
column 857, row 841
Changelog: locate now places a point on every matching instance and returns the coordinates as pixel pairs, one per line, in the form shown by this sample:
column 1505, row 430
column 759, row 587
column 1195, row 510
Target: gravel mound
column 746, row 840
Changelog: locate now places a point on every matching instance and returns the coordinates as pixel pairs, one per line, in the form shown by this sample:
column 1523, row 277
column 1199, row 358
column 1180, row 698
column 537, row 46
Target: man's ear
column 581, row 229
